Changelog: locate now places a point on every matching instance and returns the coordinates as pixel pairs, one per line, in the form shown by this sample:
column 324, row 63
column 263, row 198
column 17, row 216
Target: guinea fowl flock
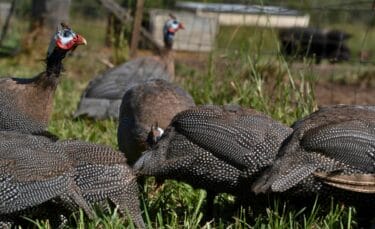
column 102, row 97
column 162, row 133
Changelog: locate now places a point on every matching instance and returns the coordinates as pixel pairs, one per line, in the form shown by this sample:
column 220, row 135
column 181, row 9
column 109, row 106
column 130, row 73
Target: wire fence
column 335, row 38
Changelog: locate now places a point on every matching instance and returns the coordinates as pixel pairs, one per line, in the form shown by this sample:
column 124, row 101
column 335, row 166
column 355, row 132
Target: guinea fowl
column 148, row 106
column 100, row 173
column 330, row 152
column 103, row 175
column 26, row 104
column 102, row 97
column 220, row 149
column 32, row 177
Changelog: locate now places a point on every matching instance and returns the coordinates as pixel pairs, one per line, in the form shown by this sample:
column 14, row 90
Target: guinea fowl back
column 26, row 104
column 102, row 97
column 153, row 102
column 338, row 138
column 220, row 149
column 175, row 157
column 99, row 172
column 245, row 138
column 330, row 152
column 32, row 176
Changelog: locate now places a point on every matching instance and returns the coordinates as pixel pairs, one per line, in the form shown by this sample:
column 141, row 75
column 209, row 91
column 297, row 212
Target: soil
column 327, row 92
column 330, row 92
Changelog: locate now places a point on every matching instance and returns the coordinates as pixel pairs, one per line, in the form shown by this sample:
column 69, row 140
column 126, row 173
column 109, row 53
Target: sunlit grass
column 241, row 75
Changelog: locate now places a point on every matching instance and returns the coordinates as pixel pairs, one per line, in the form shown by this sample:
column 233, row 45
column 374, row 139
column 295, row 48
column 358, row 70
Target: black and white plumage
column 338, row 139
column 330, row 152
column 102, row 97
column 31, row 177
column 220, row 149
column 144, row 106
column 26, row 103
column 99, row 172
column 103, row 174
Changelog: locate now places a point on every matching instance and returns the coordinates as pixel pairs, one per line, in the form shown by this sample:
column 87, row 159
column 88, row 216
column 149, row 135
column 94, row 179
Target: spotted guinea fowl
column 220, row 149
column 30, row 178
column 102, row 97
column 26, row 104
column 143, row 106
column 103, row 175
column 100, row 172
column 331, row 152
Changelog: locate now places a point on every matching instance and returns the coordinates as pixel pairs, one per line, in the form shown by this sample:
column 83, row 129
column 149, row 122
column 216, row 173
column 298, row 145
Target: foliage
column 236, row 72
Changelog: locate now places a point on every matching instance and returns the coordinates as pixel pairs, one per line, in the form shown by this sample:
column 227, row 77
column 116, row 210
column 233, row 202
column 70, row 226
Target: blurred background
column 331, row 40
column 284, row 58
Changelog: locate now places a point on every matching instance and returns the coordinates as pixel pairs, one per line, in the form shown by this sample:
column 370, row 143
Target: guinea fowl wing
column 102, row 97
column 283, row 175
column 30, row 177
column 237, row 136
column 350, row 142
column 333, row 138
column 175, row 157
column 114, row 83
column 102, row 174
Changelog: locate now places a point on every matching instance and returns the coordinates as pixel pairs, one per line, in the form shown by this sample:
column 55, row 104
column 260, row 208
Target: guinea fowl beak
column 181, row 26
column 80, row 40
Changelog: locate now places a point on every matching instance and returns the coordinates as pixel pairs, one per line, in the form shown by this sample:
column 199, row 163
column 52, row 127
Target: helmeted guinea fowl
column 26, row 104
column 103, row 175
column 331, row 152
column 146, row 110
column 220, row 149
column 100, row 173
column 102, row 97
column 31, row 177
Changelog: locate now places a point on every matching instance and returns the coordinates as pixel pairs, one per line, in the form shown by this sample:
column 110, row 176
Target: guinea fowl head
column 154, row 135
column 63, row 41
column 171, row 26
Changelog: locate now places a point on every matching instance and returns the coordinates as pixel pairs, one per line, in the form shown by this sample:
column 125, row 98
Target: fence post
column 136, row 28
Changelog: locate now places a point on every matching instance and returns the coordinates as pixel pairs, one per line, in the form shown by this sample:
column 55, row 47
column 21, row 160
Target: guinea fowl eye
column 67, row 33
column 175, row 22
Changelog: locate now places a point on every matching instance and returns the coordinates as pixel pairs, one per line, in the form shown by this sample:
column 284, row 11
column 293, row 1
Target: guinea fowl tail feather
column 276, row 181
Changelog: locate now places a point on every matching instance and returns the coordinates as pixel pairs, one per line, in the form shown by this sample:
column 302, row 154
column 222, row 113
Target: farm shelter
column 199, row 33
column 248, row 15
column 245, row 66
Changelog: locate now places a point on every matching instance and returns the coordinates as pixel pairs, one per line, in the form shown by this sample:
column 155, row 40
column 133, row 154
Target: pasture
column 237, row 71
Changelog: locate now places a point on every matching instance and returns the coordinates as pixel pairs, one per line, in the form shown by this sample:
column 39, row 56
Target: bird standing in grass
column 30, row 177
column 26, row 103
column 220, row 149
column 102, row 97
column 50, row 169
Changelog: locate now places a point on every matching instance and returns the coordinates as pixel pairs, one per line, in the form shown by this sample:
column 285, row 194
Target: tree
column 46, row 15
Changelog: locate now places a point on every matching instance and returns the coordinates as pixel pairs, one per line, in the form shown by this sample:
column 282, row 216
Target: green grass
column 236, row 72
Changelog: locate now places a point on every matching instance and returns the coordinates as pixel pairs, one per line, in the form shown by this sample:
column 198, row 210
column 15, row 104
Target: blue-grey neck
column 168, row 39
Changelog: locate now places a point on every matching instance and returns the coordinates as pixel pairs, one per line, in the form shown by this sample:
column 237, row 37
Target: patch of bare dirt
column 328, row 93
